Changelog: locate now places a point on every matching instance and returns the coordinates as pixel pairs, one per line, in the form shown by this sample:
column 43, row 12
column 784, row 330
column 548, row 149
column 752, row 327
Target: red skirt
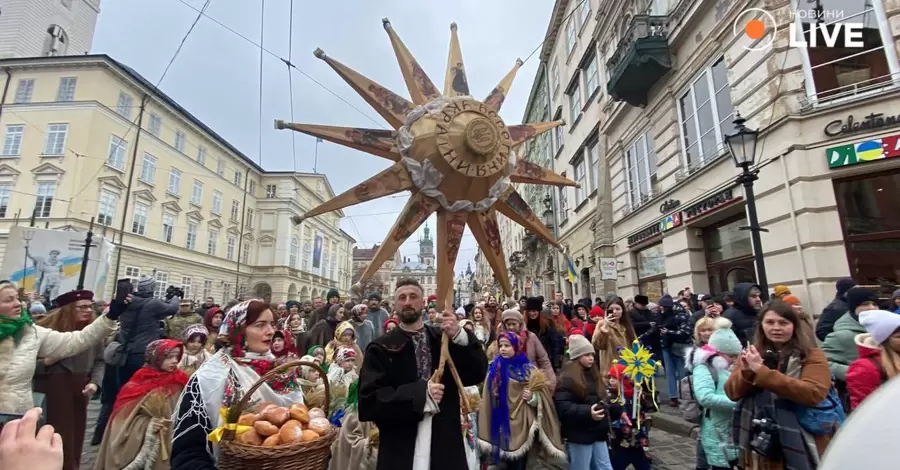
column 66, row 411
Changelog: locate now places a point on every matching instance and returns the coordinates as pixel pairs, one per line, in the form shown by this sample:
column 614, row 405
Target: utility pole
column 134, row 154
column 85, row 258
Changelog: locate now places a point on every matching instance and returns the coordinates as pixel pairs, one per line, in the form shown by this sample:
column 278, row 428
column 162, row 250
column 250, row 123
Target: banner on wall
column 49, row 261
column 317, row 251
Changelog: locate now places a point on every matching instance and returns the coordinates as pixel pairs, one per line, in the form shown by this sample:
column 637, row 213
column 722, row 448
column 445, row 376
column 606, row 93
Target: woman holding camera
column 776, row 379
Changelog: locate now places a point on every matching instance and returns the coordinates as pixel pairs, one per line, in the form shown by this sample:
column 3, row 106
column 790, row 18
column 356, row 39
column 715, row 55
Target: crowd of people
column 767, row 383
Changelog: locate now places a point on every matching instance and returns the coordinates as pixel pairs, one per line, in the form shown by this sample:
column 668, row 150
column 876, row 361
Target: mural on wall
column 49, row 261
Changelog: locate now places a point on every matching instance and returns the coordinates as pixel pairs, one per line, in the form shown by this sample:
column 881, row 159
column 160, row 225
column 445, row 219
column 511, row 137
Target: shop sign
column 609, row 269
column 863, row 152
column 872, row 121
column 710, row 204
column 669, row 205
column 667, row 223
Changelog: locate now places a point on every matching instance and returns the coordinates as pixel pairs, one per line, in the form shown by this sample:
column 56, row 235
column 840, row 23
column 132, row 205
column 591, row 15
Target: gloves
column 115, row 309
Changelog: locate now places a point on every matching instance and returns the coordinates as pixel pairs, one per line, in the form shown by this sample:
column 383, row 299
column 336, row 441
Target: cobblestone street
column 669, row 451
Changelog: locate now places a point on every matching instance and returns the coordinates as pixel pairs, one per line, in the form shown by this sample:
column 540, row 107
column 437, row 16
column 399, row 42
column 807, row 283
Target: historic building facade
column 31, row 28
column 422, row 268
column 676, row 77
column 88, row 137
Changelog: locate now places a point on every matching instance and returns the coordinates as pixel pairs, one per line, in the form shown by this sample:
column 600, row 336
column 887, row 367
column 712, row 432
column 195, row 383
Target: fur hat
column 580, row 346
column 880, row 324
column 641, row 299
column 857, row 296
column 725, row 341
column 534, row 303
column 511, row 314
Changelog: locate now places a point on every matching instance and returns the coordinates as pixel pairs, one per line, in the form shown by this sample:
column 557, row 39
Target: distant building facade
column 32, row 28
column 422, row 268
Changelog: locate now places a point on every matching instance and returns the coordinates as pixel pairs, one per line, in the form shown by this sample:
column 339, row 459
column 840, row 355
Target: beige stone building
column 362, row 258
column 86, row 136
column 676, row 73
column 574, row 87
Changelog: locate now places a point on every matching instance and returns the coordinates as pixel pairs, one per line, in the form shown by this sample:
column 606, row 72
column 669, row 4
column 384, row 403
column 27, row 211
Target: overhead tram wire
column 262, row 38
column 201, row 13
column 289, row 63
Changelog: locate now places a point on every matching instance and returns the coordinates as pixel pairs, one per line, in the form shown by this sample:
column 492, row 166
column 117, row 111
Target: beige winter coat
column 18, row 361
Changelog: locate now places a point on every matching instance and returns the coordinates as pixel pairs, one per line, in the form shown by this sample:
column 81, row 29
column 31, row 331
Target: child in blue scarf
column 508, row 439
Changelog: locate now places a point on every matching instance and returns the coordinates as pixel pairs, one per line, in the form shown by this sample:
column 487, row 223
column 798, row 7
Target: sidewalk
column 88, row 452
column 669, row 419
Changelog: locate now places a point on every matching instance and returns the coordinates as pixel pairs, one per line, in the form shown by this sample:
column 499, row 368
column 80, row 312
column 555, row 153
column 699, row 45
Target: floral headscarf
column 344, row 354
column 151, row 377
column 233, row 328
column 289, row 347
column 195, row 329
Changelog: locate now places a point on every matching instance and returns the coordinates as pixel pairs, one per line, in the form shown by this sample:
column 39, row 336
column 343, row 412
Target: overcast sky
column 216, row 75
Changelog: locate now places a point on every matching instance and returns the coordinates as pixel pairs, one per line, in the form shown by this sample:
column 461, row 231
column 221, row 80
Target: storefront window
column 651, row 264
column 869, row 206
column 728, row 242
column 870, row 218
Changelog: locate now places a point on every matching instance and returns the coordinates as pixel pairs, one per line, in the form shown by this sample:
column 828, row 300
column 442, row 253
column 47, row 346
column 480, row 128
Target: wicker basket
column 309, row 455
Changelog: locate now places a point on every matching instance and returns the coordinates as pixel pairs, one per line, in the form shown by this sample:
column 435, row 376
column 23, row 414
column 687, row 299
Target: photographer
column 779, row 379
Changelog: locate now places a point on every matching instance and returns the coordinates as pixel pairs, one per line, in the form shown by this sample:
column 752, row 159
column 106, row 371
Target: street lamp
column 548, row 212
column 742, row 147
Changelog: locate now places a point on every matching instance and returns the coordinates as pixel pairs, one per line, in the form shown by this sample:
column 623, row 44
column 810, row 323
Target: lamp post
column 742, row 146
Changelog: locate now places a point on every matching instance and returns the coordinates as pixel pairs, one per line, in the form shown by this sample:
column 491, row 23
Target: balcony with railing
column 641, row 58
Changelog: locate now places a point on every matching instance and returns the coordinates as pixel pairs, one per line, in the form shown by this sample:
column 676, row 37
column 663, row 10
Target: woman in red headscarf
column 69, row 383
column 140, row 428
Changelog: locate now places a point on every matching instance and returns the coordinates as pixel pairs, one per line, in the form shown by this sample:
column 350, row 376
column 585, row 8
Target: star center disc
column 482, row 137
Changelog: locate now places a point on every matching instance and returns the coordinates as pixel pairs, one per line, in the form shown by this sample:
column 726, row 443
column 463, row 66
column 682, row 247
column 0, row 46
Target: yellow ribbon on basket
column 216, row 435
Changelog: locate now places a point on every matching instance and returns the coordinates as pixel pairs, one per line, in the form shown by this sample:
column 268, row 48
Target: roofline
column 559, row 12
column 141, row 82
column 344, row 232
column 538, row 78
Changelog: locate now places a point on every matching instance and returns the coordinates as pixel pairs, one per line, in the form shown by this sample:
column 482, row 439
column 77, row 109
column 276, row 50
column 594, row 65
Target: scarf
column 798, row 448
column 151, row 377
column 13, row 326
column 500, row 371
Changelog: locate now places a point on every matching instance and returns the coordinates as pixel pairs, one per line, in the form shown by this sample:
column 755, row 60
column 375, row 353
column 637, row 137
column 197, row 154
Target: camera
column 173, row 291
column 765, row 442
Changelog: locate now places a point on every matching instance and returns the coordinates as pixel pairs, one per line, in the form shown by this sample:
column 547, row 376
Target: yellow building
column 86, row 136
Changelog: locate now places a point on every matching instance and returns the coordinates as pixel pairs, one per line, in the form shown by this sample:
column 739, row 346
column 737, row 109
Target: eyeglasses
column 84, row 307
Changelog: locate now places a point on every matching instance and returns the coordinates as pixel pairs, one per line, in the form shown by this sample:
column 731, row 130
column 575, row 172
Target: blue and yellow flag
column 571, row 268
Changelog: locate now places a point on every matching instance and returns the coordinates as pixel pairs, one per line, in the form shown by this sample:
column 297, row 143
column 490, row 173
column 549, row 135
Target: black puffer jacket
column 574, row 412
column 743, row 317
column 830, row 314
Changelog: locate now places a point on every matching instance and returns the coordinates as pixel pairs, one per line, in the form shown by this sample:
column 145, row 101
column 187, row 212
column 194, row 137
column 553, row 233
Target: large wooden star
column 452, row 152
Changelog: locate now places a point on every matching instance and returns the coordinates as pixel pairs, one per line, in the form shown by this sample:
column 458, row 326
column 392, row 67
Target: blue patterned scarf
column 500, row 371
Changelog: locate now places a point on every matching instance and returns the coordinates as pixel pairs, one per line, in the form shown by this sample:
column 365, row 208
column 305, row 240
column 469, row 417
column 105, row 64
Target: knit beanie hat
column 36, row 308
column 374, row 296
column 596, row 311
column 726, row 342
column 511, row 315
column 857, row 296
column 880, row 324
column 665, row 301
column 332, row 293
column 896, row 294
column 791, row 300
column 843, row 285
column 146, row 286
column 580, row 346
column 781, row 291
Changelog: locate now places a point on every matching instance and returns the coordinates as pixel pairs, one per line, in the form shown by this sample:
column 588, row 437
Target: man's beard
column 409, row 316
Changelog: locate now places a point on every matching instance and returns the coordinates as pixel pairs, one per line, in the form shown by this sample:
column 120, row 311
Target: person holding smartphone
column 23, row 446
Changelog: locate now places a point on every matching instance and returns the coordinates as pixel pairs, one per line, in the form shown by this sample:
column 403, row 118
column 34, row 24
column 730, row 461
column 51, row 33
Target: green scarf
column 352, row 396
column 12, row 326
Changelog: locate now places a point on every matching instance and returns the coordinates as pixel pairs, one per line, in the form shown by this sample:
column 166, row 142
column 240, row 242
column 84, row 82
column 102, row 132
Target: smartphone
column 123, row 288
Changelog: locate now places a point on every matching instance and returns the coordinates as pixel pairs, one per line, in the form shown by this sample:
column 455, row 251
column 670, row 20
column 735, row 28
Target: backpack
column 690, row 410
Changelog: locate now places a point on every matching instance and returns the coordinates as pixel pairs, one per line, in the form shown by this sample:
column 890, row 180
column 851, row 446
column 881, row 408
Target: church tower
column 426, row 248
column 34, row 28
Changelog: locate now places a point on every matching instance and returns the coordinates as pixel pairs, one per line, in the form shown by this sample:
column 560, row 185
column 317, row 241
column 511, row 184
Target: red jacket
column 864, row 374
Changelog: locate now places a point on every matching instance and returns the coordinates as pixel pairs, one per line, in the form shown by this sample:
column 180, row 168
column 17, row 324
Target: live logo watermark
column 809, row 28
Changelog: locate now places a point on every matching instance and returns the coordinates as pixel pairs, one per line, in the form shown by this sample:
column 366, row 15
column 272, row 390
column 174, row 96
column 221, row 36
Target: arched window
column 306, row 253
column 57, row 41
column 295, row 252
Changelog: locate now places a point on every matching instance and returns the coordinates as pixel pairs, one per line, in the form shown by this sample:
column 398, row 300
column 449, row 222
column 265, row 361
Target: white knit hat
column 579, row 346
column 880, row 324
